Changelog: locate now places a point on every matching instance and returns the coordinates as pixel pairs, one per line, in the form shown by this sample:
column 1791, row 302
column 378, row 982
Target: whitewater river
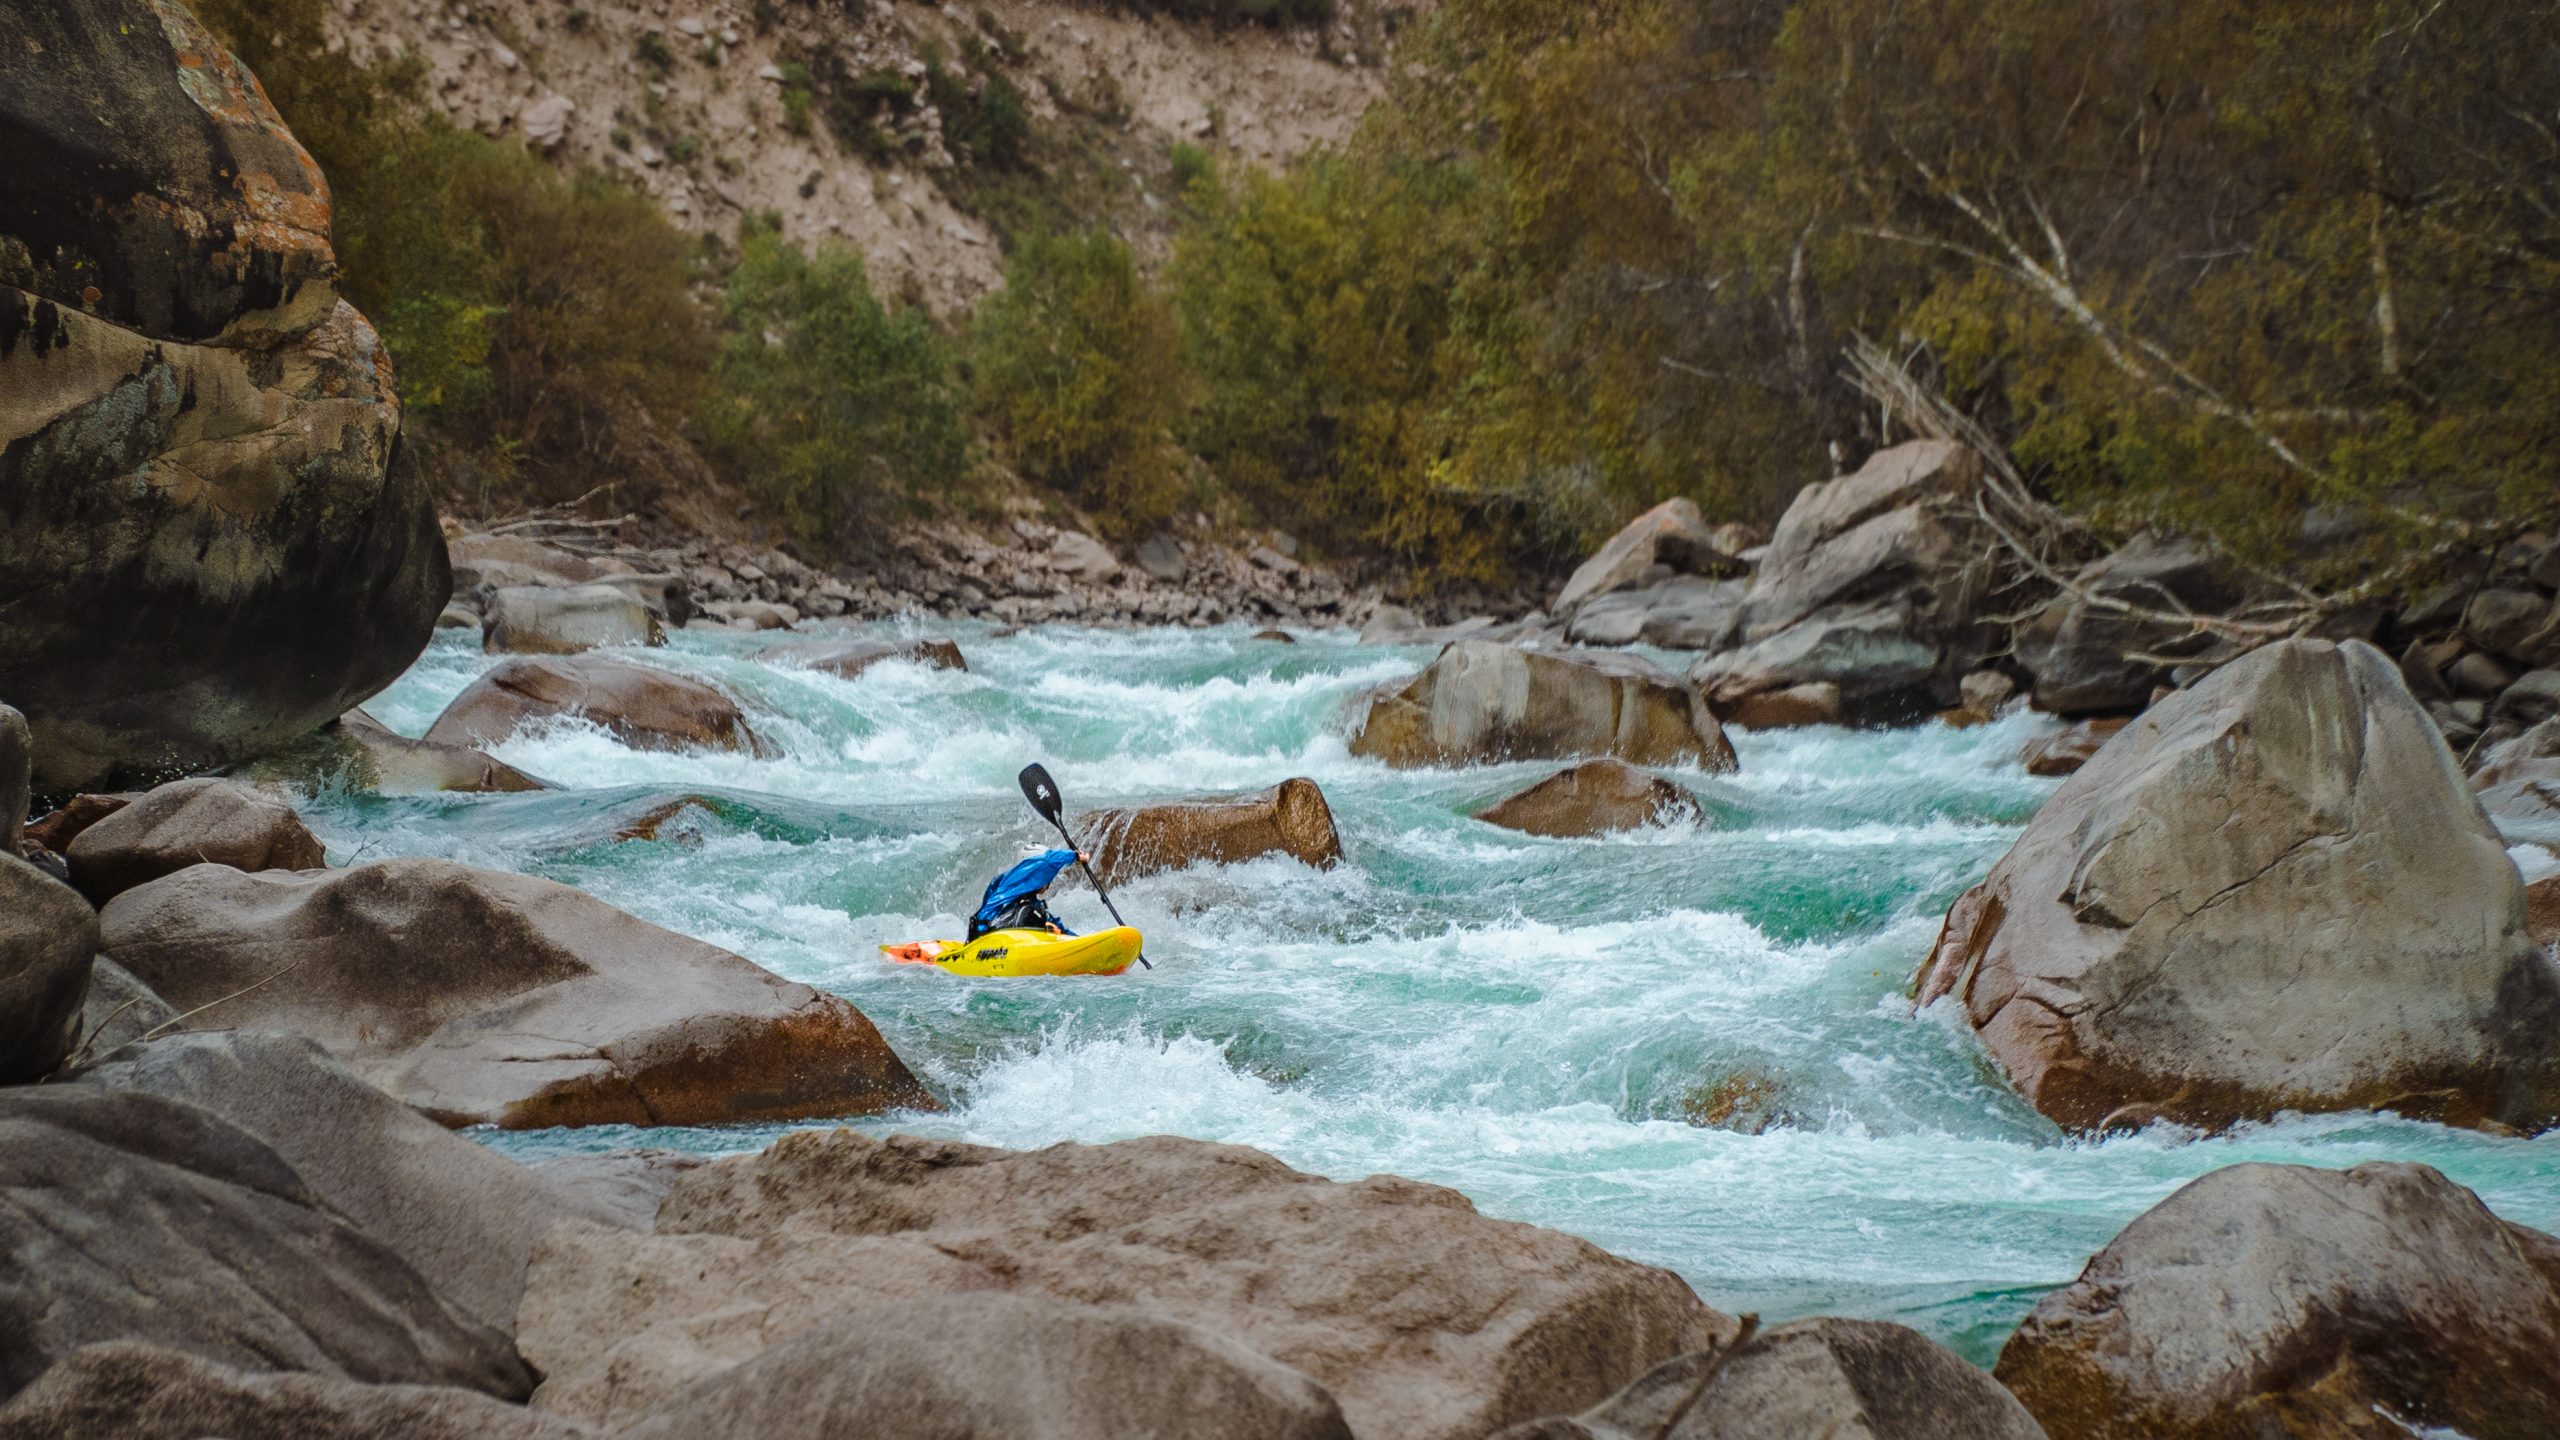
column 1526, row 1020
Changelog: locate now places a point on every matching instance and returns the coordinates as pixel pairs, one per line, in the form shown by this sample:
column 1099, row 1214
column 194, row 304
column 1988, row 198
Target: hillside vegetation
column 2284, row 275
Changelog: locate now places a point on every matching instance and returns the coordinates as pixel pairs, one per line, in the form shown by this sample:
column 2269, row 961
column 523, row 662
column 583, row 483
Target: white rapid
column 1531, row 1021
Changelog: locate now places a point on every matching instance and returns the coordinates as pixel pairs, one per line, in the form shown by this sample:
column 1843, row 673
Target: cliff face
column 836, row 114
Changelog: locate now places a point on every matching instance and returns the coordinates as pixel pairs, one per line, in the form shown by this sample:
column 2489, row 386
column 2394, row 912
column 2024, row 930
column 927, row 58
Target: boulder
column 190, row 822
column 1594, row 798
column 2272, row 892
column 1482, row 702
column 645, row 708
column 118, row 1011
column 1072, row 552
column 1818, row 1379
column 478, row 558
column 1058, row 1372
column 1390, row 625
column 131, row 1217
column 59, row 828
column 2065, row 750
column 2082, row 655
column 1984, row 692
column 1814, row 703
column 389, row 763
column 2519, row 624
column 847, row 659
column 2534, row 698
column 545, row 121
column 535, row 620
column 1685, row 613
column 123, row 1390
column 488, row 998
column 204, row 548
column 1291, row 818
column 1871, row 583
column 17, row 762
column 1425, row 1319
column 666, row 595
column 754, row 614
column 2542, row 910
column 1161, row 558
column 2283, row 1301
column 459, row 1213
column 629, row 1185
column 2478, row 674
column 457, row 616
column 48, row 935
column 1672, row 536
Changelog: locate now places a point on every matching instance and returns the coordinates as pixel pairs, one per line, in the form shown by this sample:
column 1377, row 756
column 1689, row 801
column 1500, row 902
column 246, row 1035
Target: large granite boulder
column 131, row 1217
column 118, row 1011
column 1818, row 1379
column 17, row 767
column 1481, row 702
column 2272, row 892
column 1872, row 583
column 1594, row 798
column 204, row 548
column 2283, row 1301
column 847, row 659
column 1670, row 539
column 487, row 998
column 125, row 1390
column 538, row 620
column 1024, row 1368
column 190, row 822
column 1426, row 1320
column 459, row 1213
column 2083, row 656
column 645, row 708
column 1291, row 818
column 48, row 936
column 1686, row 613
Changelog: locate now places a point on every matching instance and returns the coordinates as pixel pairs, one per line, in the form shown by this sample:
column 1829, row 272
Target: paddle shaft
column 1061, row 826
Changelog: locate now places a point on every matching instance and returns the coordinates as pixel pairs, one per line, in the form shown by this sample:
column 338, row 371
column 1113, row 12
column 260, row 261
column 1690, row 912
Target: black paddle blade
column 1042, row 792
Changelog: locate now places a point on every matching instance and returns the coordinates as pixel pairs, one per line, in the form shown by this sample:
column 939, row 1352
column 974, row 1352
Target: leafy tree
column 833, row 404
column 1077, row 365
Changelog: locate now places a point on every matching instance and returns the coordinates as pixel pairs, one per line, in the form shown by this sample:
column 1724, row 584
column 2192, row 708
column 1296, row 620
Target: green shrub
column 833, row 405
column 1078, row 366
column 652, row 50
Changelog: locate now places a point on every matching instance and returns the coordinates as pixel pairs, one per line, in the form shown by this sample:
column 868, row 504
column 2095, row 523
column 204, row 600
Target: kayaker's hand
column 1083, row 859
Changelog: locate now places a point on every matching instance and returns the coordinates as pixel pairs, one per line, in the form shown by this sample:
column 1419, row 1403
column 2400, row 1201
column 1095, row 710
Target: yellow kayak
column 1025, row 952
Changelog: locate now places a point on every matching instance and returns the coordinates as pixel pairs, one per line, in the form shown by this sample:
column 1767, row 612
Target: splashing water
column 1535, row 1022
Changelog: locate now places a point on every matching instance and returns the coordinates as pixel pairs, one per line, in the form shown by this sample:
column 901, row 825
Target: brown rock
column 1594, row 798
column 2283, row 1301
column 539, row 620
column 2542, row 910
column 1426, row 1320
column 397, row 765
column 124, row 1390
column 2272, row 892
column 1277, row 637
column 190, row 822
column 646, row 709
column 2064, row 751
column 1291, row 818
column 56, row 831
column 847, row 659
column 1058, row 1372
column 1815, row 703
column 1817, row 1379
column 1671, row 535
column 48, row 935
column 1481, row 701
column 16, row 769
column 197, row 435
column 487, row 998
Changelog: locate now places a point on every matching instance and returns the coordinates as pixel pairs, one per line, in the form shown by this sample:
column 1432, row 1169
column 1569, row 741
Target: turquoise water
column 1527, row 1020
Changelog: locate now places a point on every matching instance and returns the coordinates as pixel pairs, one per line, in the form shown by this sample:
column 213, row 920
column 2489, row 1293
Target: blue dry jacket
column 1013, row 899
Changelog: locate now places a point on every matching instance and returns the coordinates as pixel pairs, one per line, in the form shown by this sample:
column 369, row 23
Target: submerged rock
column 130, row 1217
column 124, row 1390
column 533, row 620
column 190, row 822
column 488, row 998
column 1426, row 1320
column 847, row 659
column 48, row 935
column 2286, row 1301
column 1817, row 1379
column 1482, row 702
column 394, row 764
column 1291, row 818
column 2272, row 892
column 968, row 1367
column 646, row 709
column 1594, row 798
column 207, row 551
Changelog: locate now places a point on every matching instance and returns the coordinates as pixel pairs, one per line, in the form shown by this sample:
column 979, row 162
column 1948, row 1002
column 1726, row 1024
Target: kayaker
column 1013, row 898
